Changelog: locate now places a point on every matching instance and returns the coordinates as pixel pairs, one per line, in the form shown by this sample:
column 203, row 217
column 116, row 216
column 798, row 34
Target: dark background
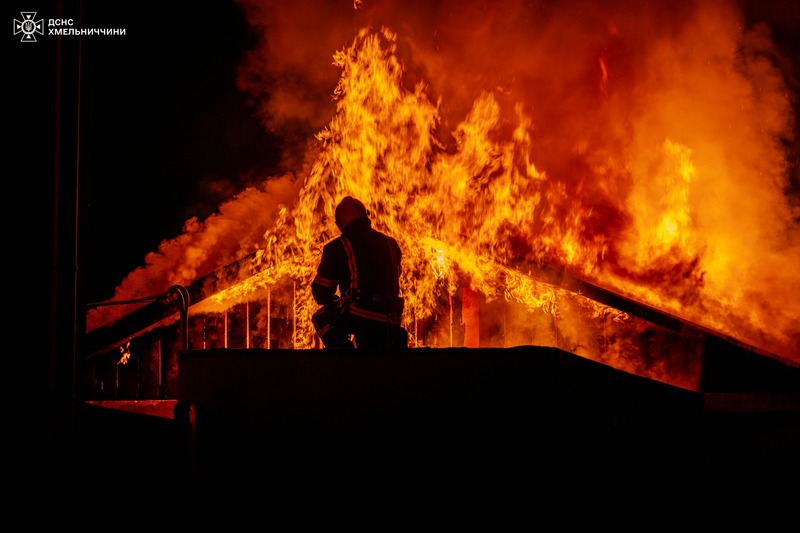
column 115, row 141
column 166, row 134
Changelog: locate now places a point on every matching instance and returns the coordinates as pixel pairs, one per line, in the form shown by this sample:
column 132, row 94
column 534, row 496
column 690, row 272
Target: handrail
column 178, row 291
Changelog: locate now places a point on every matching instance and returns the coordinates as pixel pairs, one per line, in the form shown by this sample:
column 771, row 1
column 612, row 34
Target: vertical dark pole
column 66, row 308
column 32, row 190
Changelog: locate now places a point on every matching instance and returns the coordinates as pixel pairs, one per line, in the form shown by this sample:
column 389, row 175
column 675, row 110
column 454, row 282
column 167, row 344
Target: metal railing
column 176, row 292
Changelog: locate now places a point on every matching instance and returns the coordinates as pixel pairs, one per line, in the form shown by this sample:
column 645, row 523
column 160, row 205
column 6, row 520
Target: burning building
column 613, row 172
column 559, row 174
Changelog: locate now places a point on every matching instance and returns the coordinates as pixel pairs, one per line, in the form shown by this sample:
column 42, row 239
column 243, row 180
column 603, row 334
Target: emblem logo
column 28, row 27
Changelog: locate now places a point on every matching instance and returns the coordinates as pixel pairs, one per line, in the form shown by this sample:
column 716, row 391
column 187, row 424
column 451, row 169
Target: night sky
column 167, row 135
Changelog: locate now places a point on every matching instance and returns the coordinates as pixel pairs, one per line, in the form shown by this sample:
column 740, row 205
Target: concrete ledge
column 288, row 414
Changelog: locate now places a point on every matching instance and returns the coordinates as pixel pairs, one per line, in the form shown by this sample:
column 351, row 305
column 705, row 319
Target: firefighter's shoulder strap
column 395, row 265
column 351, row 265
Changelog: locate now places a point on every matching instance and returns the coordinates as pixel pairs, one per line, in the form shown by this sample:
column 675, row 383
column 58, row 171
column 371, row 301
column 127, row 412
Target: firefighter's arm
column 323, row 290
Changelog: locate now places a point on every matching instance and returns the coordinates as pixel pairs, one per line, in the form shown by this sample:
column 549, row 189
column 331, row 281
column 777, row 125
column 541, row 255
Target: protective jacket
column 364, row 264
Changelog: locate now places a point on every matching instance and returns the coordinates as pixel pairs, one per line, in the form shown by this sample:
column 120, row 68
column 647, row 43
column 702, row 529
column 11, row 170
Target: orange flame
column 460, row 217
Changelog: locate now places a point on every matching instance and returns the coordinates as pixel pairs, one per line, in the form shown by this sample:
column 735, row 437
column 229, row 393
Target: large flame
column 655, row 170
